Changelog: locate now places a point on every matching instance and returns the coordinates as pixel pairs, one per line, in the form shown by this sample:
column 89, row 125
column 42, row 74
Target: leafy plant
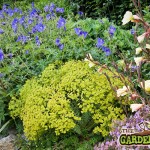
column 65, row 95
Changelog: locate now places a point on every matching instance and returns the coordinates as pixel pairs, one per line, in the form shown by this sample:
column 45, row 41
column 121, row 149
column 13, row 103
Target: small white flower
column 127, row 17
column 138, row 60
column 138, row 50
column 123, row 91
column 135, row 107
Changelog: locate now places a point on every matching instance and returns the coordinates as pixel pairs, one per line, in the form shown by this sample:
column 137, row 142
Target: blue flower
column 106, row 50
column 33, row 13
column 34, row 30
column 132, row 31
column 38, row 43
column 77, row 31
column 17, row 10
column 100, row 42
column 4, row 9
column 46, row 8
column 61, row 46
column 84, row 33
column 22, row 19
column 61, row 22
column 10, row 12
column 1, row 55
column 80, row 13
column 57, row 41
column 30, row 21
column 1, row 31
column 14, row 24
column 112, row 30
column 52, row 6
column 38, row 28
column 48, row 16
column 59, row 10
column 22, row 38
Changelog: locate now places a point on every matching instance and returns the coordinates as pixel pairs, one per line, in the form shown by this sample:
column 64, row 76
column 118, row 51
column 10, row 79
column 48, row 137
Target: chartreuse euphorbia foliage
column 50, row 101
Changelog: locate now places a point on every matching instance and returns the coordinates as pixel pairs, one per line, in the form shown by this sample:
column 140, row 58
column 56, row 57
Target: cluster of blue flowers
column 100, row 44
column 33, row 23
column 80, row 32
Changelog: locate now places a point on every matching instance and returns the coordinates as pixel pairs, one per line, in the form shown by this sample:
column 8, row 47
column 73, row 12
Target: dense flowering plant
column 60, row 96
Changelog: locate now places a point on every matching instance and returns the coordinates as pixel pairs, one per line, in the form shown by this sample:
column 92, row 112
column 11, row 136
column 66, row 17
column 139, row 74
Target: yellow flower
column 123, row 91
column 127, row 17
column 147, row 86
column 138, row 60
column 135, row 107
column 138, row 50
column 147, row 46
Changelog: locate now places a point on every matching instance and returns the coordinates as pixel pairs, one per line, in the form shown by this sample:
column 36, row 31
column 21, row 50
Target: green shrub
column 60, row 97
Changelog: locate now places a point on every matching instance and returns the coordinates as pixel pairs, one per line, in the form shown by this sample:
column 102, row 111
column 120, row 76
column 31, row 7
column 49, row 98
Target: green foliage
column 60, row 98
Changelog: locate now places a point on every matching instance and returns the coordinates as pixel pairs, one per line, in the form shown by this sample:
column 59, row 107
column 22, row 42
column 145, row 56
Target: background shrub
column 112, row 9
column 71, row 98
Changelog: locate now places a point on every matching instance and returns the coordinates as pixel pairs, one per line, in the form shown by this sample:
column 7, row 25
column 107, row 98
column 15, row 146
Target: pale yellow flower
column 127, row 17
column 135, row 107
column 147, row 86
column 91, row 64
column 147, row 46
column 123, row 91
column 141, row 38
column 138, row 50
column 138, row 60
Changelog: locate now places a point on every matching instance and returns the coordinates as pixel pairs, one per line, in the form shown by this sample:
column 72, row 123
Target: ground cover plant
column 43, row 33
